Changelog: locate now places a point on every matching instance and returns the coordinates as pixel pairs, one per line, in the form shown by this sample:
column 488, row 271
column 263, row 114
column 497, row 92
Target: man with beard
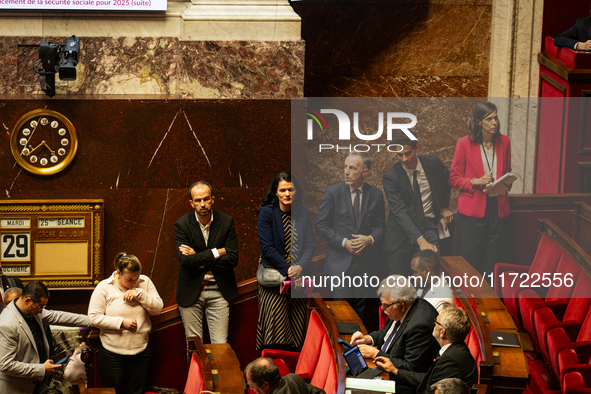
column 208, row 252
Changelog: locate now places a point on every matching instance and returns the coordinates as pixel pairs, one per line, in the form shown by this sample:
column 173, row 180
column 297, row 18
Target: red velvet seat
column 577, row 382
column 557, row 297
column 306, row 360
column 566, row 348
column 576, row 311
column 546, row 260
column 325, row 361
column 383, row 318
column 471, row 340
column 332, row 379
column 195, row 380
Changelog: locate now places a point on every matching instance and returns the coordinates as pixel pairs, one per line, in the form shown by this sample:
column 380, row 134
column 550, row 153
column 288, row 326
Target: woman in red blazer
column 480, row 158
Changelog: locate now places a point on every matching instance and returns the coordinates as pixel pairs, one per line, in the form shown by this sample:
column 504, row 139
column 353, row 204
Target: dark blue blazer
column 272, row 237
column 580, row 32
column 398, row 189
column 336, row 221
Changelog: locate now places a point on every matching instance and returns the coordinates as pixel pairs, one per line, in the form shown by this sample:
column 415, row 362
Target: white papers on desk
column 382, row 386
column 498, row 187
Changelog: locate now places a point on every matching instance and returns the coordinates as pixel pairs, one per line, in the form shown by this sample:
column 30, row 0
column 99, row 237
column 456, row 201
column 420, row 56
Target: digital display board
column 85, row 5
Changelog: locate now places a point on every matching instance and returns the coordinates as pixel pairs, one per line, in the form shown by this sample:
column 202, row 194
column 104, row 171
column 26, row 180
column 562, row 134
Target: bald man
column 12, row 294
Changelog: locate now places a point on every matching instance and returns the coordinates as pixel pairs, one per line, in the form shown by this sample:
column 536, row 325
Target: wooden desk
column 488, row 313
column 224, row 361
column 221, row 368
column 490, row 302
column 343, row 312
column 499, row 321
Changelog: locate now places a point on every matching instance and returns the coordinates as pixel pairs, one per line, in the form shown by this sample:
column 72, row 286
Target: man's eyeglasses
column 386, row 306
column 40, row 307
column 436, row 322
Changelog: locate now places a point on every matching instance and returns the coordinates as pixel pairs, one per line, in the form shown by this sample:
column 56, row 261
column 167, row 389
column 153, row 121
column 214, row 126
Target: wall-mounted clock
column 44, row 142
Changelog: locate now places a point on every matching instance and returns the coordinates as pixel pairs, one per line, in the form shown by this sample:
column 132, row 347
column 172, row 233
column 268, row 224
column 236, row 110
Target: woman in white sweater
column 121, row 307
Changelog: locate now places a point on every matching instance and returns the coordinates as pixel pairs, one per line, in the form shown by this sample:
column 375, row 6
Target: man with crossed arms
column 208, row 252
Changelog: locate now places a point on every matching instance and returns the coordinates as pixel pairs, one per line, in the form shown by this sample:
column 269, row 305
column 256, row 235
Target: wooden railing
column 582, row 225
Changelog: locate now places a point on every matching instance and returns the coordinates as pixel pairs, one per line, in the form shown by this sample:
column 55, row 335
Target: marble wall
column 163, row 66
column 396, row 49
column 140, row 155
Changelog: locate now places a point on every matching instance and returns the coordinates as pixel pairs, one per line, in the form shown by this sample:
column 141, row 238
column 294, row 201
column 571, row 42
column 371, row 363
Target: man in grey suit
column 417, row 189
column 24, row 350
column 352, row 220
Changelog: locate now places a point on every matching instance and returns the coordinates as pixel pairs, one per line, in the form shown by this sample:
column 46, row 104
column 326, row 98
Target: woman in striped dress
column 287, row 243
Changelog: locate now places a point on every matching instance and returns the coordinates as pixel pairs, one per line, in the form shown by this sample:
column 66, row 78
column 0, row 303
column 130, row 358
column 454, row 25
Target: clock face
column 43, row 142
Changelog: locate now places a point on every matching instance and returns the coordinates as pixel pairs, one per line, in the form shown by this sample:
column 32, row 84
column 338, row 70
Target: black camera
column 55, row 58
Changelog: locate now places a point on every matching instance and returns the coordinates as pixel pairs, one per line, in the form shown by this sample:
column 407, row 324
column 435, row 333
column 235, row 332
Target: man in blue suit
column 351, row 218
column 577, row 37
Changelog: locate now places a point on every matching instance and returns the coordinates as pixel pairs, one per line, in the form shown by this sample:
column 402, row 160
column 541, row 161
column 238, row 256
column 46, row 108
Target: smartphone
column 63, row 360
column 343, row 342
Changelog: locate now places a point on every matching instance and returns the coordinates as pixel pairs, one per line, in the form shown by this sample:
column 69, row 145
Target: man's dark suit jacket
column 413, row 348
column 6, row 284
column 335, row 221
column 398, row 189
column 221, row 235
column 294, row 384
column 272, row 237
column 580, row 32
column 456, row 362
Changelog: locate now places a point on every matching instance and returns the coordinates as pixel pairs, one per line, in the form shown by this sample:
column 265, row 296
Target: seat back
column 567, row 267
column 585, row 332
column 471, row 340
column 325, row 360
column 547, row 256
column 332, row 380
column 383, row 318
column 195, row 380
column 578, row 305
column 283, row 370
column 546, row 260
column 310, row 354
